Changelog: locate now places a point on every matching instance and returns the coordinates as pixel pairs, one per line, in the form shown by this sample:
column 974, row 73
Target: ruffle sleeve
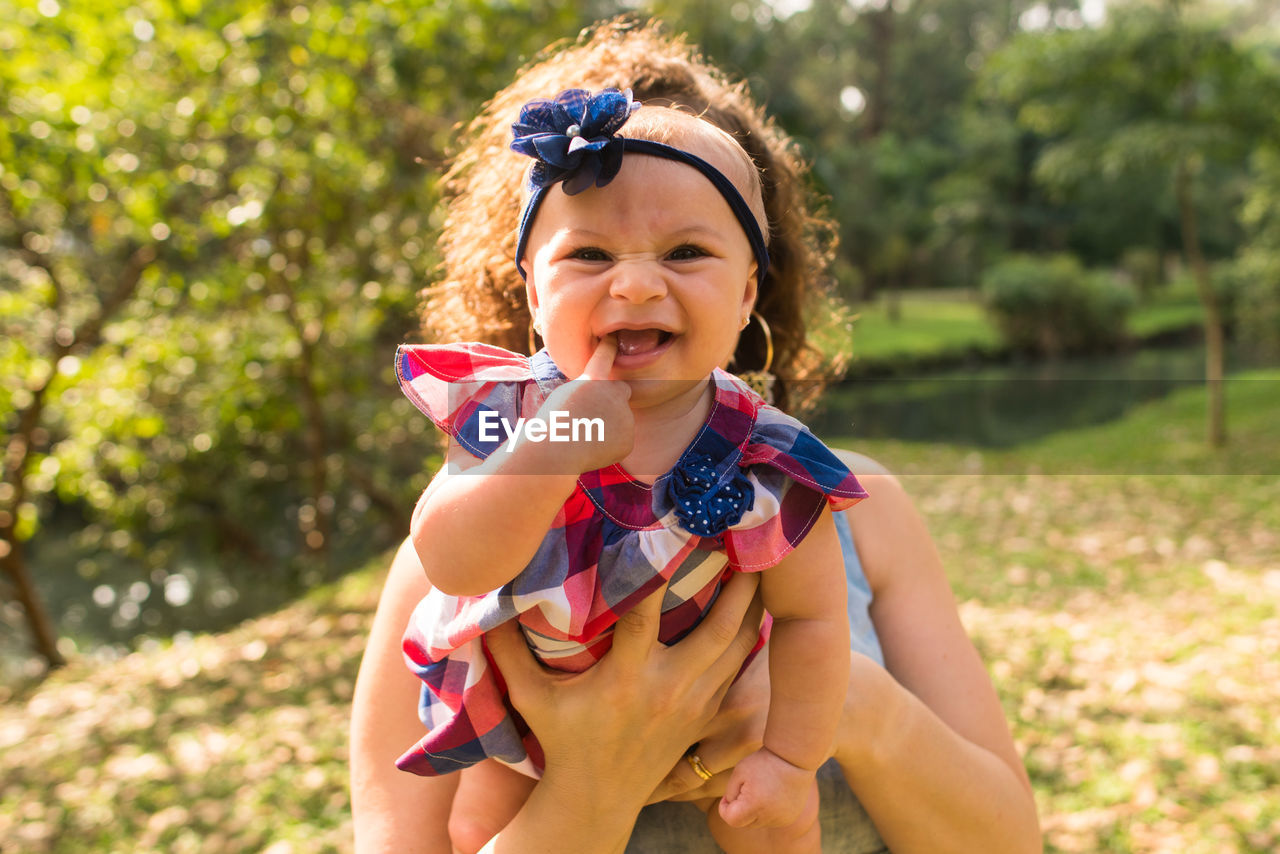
column 759, row 501
column 470, row 391
column 783, row 443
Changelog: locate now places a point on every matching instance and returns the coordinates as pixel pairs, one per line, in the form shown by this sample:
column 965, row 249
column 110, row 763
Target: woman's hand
column 610, row 734
column 736, row 731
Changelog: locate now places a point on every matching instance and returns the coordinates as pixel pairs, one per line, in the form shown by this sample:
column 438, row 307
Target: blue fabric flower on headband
column 572, row 137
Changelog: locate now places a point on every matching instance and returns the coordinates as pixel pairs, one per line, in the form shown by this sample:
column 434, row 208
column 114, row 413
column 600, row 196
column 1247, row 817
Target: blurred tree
column 1155, row 87
column 213, row 221
column 918, row 195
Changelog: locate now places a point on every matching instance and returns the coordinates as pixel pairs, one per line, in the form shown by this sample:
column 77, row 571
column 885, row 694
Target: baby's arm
column 808, row 673
column 476, row 528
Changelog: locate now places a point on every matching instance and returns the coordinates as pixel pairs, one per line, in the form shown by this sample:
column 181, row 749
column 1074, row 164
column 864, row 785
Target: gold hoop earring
column 761, row 380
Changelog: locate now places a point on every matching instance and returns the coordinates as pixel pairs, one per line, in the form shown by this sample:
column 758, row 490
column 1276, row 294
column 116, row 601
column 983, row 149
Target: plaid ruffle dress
column 743, row 494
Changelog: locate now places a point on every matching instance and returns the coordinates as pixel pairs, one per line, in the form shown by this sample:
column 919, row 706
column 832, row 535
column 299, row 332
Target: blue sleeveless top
column 672, row 827
column 862, row 634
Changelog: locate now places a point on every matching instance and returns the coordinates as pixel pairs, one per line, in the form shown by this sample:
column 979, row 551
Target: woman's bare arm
column 925, row 744
column 392, row 810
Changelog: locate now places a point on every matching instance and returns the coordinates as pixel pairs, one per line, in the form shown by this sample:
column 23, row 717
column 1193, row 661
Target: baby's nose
column 638, row 280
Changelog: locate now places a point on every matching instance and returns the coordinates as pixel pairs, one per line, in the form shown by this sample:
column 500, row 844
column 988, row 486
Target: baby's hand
column 592, row 395
column 765, row 790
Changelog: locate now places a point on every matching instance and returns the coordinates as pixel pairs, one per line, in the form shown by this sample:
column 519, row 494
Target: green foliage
column 1256, row 271
column 1119, row 108
column 1052, row 306
column 1142, row 266
column 1253, row 281
column 214, row 219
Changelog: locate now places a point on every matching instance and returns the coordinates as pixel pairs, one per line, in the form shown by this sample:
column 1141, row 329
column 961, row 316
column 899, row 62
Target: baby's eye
column 589, row 253
column 688, row 252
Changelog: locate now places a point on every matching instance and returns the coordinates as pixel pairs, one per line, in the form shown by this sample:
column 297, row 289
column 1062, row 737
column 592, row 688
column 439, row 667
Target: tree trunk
column 1214, row 339
column 42, row 631
column 881, row 24
column 12, row 557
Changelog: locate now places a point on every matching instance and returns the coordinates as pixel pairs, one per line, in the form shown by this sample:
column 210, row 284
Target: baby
column 643, row 463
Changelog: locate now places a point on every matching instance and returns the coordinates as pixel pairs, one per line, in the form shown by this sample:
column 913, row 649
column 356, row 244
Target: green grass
column 929, row 326
column 1129, row 621
column 1172, row 308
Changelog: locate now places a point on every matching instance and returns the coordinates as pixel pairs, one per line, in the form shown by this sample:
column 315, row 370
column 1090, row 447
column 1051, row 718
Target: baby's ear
column 752, row 291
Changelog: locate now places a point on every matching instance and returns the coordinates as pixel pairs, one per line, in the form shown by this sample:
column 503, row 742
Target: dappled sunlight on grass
column 231, row 742
column 1132, row 627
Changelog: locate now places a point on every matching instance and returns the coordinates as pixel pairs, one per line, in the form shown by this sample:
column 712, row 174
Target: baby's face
column 655, row 259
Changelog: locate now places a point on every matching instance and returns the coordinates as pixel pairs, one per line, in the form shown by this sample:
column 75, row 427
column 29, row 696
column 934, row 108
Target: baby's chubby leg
column 489, row 796
column 802, row 836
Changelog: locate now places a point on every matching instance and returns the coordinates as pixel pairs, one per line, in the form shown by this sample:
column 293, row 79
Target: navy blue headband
column 572, row 139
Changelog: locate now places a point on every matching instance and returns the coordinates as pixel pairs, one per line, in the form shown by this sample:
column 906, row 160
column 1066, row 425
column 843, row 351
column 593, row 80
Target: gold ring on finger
column 698, row 768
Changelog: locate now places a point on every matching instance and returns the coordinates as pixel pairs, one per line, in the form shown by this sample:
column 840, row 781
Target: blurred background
column 1059, row 262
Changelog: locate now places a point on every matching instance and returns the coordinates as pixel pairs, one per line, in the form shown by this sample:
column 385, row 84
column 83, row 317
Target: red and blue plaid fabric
column 614, row 542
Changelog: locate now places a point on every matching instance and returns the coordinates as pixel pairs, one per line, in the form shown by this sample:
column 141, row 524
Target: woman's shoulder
column 860, row 464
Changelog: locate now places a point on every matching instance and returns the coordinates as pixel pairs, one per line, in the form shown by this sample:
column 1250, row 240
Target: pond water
column 107, row 604
column 1003, row 406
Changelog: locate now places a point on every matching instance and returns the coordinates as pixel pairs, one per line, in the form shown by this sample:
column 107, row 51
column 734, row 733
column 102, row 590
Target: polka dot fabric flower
column 703, row 506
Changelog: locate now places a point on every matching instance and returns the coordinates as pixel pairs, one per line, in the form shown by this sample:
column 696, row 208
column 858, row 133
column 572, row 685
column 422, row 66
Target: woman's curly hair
column 481, row 297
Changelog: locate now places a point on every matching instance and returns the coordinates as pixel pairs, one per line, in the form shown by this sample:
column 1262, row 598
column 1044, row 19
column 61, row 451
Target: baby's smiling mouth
column 632, row 342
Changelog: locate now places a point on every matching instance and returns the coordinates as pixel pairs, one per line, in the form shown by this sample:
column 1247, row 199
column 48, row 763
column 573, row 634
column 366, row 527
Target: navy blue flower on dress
column 572, row 137
column 703, row 506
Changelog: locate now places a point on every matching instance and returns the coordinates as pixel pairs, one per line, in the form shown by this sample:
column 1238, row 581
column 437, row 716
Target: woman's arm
column 925, row 745
column 391, row 809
